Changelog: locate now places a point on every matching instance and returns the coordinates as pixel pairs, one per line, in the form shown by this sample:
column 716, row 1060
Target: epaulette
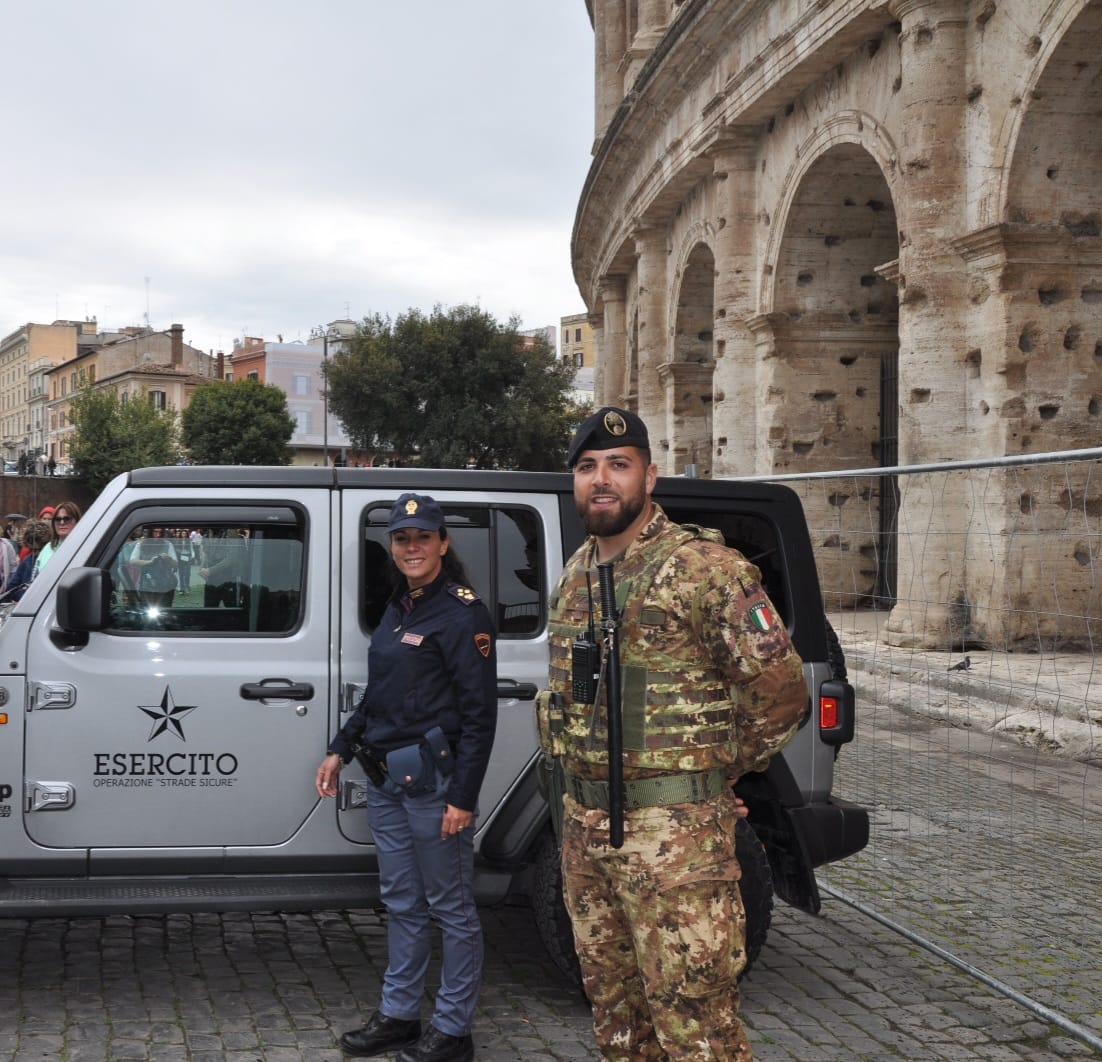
column 463, row 593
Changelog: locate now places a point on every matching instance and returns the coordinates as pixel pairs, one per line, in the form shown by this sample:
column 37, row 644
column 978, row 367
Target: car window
column 501, row 548
column 755, row 538
column 241, row 576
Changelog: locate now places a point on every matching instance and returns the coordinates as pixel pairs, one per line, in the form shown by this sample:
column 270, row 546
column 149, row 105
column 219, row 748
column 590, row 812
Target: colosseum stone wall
column 836, row 234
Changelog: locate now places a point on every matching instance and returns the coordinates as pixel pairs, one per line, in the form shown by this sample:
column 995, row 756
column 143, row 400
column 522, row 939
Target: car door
column 509, row 545
column 193, row 723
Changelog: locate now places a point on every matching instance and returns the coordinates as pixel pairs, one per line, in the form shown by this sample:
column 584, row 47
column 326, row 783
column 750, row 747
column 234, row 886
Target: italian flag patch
column 761, row 616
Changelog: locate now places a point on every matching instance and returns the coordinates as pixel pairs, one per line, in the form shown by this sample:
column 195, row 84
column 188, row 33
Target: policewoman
column 424, row 731
column 710, row 688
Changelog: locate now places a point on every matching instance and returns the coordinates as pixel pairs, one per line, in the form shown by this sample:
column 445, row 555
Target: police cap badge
column 415, row 510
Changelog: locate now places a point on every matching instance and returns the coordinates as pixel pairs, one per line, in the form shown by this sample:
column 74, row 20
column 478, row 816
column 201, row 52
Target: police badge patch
column 482, row 644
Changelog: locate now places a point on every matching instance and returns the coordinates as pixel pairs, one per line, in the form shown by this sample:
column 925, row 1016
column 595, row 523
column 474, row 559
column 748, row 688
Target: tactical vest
column 677, row 711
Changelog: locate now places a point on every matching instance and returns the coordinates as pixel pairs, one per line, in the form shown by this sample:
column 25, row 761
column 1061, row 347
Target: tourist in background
column 36, row 534
column 62, row 521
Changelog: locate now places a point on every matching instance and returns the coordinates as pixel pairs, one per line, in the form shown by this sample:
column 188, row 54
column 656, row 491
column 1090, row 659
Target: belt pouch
column 410, row 768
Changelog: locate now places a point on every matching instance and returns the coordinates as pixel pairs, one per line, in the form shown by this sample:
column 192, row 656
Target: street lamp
column 324, row 333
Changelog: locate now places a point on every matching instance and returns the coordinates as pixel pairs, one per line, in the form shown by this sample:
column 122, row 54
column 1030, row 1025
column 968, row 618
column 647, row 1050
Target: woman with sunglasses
column 61, row 523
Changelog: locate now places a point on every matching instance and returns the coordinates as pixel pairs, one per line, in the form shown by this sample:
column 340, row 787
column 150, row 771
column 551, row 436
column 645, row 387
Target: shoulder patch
column 761, row 616
column 463, row 593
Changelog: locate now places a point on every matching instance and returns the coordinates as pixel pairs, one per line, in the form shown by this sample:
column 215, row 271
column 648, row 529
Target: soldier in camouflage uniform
column 711, row 688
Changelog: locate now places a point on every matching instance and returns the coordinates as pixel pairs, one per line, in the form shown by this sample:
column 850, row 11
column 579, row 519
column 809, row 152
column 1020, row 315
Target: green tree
column 454, row 388
column 240, row 423
column 112, row 436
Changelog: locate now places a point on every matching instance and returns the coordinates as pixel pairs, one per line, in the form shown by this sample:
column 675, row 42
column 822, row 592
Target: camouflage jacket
column 709, row 676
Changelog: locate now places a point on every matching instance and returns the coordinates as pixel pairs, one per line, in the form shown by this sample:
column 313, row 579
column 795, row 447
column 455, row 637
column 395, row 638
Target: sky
column 263, row 167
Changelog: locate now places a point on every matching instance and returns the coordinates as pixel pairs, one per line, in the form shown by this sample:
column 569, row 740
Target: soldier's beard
column 610, row 522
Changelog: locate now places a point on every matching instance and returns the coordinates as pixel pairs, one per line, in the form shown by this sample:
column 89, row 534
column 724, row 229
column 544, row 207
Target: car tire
column 553, row 922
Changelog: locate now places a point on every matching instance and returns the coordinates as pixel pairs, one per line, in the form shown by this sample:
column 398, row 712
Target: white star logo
column 167, row 715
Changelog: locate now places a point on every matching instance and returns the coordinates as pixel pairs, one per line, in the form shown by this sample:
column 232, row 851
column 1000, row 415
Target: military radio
column 585, row 668
column 585, row 661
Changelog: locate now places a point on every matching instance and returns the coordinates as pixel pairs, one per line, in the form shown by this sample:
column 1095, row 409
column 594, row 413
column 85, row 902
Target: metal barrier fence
column 970, row 620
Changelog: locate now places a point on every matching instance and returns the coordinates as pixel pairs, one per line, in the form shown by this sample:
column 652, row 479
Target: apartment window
column 577, row 335
column 578, row 358
column 304, row 422
column 254, row 375
column 158, row 399
column 301, row 384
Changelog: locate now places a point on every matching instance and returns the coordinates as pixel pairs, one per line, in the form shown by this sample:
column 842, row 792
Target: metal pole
column 325, row 393
column 1080, row 1032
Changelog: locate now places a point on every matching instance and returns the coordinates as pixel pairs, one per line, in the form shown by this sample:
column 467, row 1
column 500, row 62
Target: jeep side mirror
column 84, row 600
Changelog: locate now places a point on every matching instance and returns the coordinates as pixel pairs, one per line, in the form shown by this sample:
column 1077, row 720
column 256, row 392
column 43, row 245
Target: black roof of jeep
column 775, row 538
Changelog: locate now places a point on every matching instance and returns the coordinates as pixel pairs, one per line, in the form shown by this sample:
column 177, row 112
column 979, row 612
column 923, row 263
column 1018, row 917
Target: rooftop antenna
column 147, row 302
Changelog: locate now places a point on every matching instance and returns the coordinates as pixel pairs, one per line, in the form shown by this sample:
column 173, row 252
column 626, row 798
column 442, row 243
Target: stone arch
column 1038, row 353
column 856, row 128
column 832, row 348
column 1065, row 23
column 687, row 377
column 1050, row 283
column 1057, row 153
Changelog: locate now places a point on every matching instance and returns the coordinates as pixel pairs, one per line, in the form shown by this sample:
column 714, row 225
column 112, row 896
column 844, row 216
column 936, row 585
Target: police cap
column 606, row 429
column 415, row 510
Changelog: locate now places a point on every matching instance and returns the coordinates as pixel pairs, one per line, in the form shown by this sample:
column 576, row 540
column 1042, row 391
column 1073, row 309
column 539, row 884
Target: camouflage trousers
column 659, row 929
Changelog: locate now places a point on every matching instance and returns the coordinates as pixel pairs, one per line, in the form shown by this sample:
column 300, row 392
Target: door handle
column 522, row 691
column 277, row 689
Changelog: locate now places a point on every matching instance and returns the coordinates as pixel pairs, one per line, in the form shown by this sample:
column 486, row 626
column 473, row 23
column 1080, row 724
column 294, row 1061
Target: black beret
column 608, row 428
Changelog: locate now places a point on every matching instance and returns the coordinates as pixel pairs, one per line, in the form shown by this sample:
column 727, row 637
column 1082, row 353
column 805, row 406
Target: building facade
column 24, row 355
column 850, row 234
column 296, row 369
column 578, row 348
column 140, row 364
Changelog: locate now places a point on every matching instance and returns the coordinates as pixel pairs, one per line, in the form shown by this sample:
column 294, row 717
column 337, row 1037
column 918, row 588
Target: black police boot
column 436, row 1046
column 379, row 1035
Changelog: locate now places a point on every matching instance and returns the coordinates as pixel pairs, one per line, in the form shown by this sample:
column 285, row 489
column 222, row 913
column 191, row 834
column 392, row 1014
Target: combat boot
column 380, row 1035
column 436, row 1046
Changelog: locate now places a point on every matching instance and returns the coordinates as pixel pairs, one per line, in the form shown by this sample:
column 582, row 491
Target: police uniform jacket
column 432, row 662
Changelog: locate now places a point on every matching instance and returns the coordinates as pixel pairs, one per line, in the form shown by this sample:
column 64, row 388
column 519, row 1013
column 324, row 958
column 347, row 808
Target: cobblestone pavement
column 990, row 849
column 281, row 987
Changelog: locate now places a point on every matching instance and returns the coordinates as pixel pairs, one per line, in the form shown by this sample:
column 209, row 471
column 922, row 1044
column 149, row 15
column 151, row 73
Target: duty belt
column 650, row 792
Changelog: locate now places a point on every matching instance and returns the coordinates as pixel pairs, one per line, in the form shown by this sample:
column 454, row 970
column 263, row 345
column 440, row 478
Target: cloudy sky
column 260, row 167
